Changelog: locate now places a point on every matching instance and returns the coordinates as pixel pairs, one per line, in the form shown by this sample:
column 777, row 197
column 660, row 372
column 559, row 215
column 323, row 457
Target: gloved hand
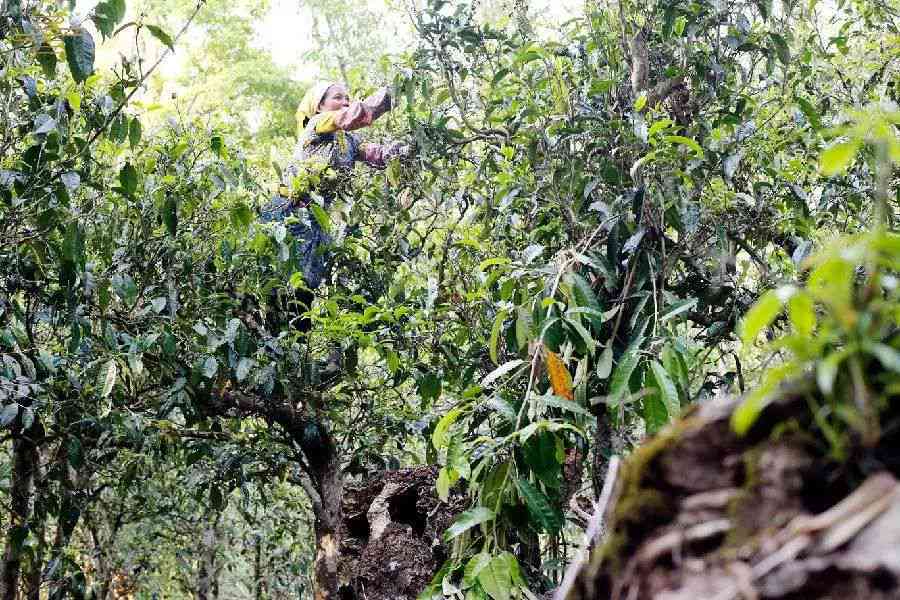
column 399, row 150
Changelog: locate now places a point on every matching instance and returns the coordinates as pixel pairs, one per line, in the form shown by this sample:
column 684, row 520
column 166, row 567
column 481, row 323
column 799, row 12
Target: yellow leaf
column 560, row 378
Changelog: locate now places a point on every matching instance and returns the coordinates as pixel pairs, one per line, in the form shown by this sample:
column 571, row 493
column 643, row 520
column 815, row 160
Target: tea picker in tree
column 323, row 162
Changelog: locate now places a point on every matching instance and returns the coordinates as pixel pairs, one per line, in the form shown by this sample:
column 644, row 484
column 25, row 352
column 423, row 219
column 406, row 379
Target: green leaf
column 827, row 370
column 217, row 144
column 241, row 216
column 760, row 316
column 685, row 141
column 886, row 355
column 831, row 282
column 73, row 243
column 107, row 15
column 170, row 214
column 46, row 57
column 746, row 414
column 654, row 412
column 468, row 520
column 640, row 102
column 162, row 36
column 501, row 371
column 781, row 48
column 134, row 133
column 128, row 178
column 179, row 149
column 210, row 367
column 80, row 54
column 429, row 385
column 495, row 335
column 74, row 100
column 583, row 333
column 439, row 437
column 667, row 390
column 677, row 308
column 604, row 365
column 75, row 452
column 458, row 459
column 548, row 517
column 619, row 384
column 569, row 405
column 837, row 157
column 524, row 327
column 515, row 572
column 475, row 566
column 503, row 407
column 392, row 360
column 552, row 333
column 540, row 456
column 320, row 216
column 296, row 280
column 112, row 371
column 494, row 486
column 444, row 482
column 496, row 580
column 10, row 412
column 812, row 115
column 801, row 313
column 393, row 173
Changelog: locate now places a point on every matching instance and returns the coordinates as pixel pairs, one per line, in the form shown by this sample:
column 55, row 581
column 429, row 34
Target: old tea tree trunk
column 380, row 540
column 321, row 475
column 24, row 467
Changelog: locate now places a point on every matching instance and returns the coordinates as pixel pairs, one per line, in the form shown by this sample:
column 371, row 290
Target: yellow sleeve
column 326, row 122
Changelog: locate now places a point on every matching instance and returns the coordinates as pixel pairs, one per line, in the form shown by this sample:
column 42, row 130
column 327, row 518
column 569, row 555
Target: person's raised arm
column 376, row 155
column 360, row 113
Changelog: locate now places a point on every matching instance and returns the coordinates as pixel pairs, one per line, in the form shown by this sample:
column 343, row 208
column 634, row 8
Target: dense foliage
column 559, row 270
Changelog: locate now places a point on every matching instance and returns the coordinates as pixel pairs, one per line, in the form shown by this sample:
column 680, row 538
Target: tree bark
column 25, row 463
column 323, row 482
column 33, row 574
column 207, row 574
column 328, row 529
column 33, row 571
column 259, row 582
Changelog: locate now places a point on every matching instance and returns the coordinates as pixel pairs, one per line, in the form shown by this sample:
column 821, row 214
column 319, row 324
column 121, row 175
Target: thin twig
column 140, row 82
column 595, row 530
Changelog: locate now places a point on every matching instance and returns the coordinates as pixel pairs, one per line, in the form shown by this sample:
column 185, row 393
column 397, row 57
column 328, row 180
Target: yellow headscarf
column 310, row 103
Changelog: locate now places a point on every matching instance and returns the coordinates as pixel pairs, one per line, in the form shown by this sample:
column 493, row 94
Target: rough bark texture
column 207, row 573
column 328, row 516
column 32, row 571
column 323, row 476
column 25, row 463
column 375, row 541
column 391, row 535
column 699, row 512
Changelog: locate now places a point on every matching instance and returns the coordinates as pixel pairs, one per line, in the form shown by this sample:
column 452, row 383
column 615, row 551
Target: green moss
column 638, row 505
column 739, row 534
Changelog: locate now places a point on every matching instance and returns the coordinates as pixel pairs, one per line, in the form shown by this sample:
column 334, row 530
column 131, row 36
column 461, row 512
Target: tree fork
column 322, row 466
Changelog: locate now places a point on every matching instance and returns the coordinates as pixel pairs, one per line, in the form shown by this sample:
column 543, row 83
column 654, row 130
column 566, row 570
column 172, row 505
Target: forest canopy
column 607, row 214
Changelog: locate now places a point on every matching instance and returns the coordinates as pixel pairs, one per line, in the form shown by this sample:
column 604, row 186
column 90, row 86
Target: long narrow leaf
column 468, row 520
